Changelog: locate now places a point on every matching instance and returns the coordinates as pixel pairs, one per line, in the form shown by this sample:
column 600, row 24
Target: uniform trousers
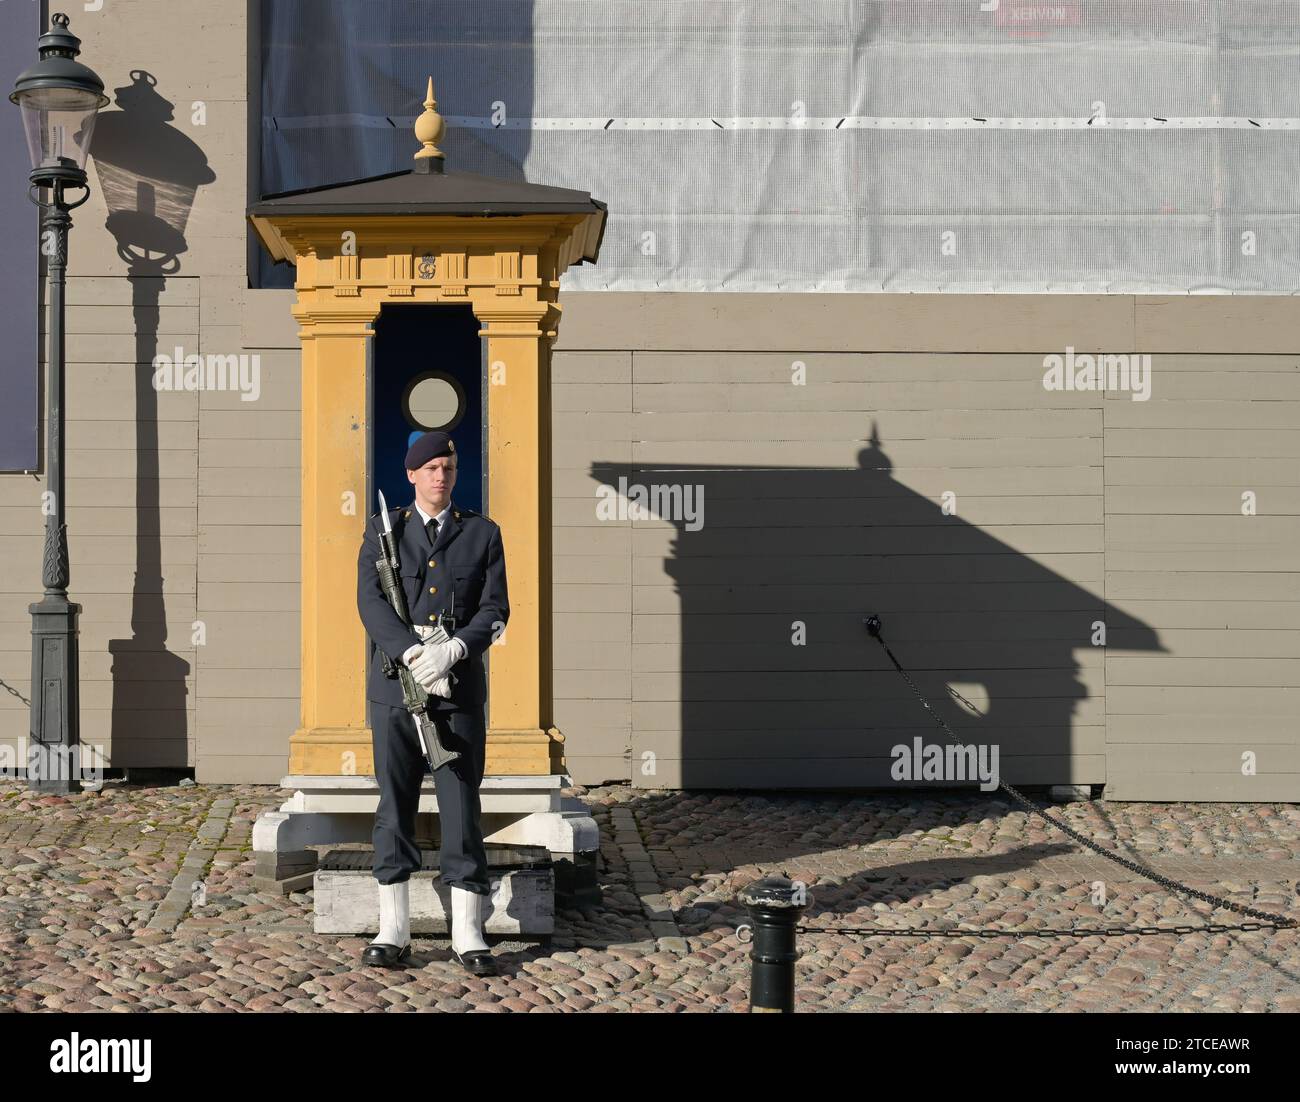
column 400, row 768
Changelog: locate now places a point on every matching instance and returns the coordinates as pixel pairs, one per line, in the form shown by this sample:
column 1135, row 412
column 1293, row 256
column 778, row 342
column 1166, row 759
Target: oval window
column 434, row 401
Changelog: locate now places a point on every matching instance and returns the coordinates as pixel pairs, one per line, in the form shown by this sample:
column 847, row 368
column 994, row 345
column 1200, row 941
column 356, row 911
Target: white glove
column 419, row 653
column 437, row 657
column 440, row 686
column 433, row 664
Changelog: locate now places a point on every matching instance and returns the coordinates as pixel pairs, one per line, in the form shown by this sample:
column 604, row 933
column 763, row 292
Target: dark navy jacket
column 468, row 561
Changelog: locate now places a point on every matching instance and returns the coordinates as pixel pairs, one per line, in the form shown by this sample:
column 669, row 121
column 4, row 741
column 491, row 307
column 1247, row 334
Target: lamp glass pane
column 58, row 122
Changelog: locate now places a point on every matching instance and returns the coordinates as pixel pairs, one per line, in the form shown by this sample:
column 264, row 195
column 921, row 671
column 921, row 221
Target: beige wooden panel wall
column 593, row 565
column 1073, row 509
column 1214, row 718
column 249, row 558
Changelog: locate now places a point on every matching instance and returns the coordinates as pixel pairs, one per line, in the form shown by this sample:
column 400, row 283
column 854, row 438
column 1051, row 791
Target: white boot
column 394, row 914
column 466, row 921
column 392, row 948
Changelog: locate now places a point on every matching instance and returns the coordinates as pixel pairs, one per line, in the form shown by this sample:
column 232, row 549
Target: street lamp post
column 59, row 98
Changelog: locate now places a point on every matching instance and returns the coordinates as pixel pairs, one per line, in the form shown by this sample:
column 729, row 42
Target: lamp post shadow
column 149, row 173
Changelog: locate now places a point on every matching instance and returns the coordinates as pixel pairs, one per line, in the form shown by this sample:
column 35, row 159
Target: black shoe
column 382, row 955
column 477, row 962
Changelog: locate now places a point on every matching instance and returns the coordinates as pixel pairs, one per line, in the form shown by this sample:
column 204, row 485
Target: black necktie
column 432, row 529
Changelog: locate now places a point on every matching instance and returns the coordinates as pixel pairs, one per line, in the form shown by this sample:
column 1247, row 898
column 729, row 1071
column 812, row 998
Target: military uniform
column 462, row 572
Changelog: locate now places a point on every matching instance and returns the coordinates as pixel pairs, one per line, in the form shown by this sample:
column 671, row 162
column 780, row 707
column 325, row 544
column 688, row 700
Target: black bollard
column 775, row 906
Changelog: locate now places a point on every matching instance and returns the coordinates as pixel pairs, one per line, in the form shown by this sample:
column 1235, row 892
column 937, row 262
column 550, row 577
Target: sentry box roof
column 413, row 193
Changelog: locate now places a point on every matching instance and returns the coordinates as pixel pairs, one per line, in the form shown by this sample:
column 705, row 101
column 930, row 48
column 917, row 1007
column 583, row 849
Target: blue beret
column 429, row 446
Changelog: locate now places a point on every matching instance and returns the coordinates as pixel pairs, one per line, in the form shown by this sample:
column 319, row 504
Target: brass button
column 433, row 589
column 432, row 616
column 432, row 563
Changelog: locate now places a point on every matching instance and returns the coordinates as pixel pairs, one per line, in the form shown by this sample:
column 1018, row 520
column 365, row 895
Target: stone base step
column 522, row 898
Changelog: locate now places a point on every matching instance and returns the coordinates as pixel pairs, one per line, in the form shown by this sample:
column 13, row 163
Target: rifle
column 413, row 695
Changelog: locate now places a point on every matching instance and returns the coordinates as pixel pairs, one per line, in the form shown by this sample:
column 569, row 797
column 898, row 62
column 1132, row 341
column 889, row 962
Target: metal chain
column 10, row 689
column 1049, row 932
column 1269, row 921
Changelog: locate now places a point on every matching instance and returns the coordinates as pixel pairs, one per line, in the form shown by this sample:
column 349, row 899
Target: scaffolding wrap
column 1094, row 146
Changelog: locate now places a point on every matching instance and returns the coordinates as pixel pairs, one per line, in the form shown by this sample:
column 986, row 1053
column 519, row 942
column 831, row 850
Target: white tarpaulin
column 834, row 145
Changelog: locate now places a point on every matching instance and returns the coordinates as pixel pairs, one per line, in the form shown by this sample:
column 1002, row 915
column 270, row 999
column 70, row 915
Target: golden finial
column 429, row 128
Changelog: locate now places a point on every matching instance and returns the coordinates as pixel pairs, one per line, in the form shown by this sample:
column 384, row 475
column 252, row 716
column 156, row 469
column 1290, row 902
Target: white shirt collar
column 442, row 517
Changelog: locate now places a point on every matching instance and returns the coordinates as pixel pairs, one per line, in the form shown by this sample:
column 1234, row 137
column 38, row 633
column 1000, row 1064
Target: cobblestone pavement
column 139, row 898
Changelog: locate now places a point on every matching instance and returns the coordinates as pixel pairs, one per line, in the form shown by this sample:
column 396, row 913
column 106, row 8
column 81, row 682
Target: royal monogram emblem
column 428, row 265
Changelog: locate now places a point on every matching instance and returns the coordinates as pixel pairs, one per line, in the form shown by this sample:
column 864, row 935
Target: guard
column 452, row 561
